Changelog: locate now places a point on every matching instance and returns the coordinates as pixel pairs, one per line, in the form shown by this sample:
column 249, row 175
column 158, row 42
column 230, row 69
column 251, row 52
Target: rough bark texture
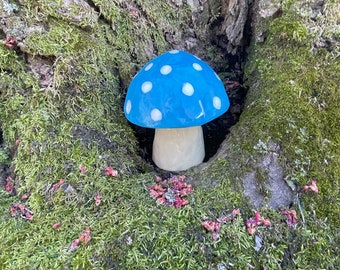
column 228, row 30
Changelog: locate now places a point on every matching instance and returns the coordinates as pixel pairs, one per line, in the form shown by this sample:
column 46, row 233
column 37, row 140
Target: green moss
column 78, row 120
column 9, row 59
column 61, row 38
column 298, row 107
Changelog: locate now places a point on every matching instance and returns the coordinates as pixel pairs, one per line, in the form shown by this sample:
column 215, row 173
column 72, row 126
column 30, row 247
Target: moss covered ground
column 61, row 117
column 298, row 102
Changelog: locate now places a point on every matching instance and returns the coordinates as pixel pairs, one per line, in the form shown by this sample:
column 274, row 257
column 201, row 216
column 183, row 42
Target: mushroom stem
column 178, row 149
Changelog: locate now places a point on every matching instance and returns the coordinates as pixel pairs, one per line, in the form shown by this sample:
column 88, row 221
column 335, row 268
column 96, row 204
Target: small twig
column 300, row 209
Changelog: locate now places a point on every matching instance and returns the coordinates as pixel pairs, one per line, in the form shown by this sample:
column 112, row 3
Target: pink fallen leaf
column 210, row 225
column 179, row 202
column 257, row 218
column 158, row 188
column 97, row 199
column 158, row 179
column 21, row 207
column 178, row 185
column 12, row 211
column 27, row 215
column 236, row 211
column 9, row 42
column 18, row 209
column 17, row 141
column 133, row 12
column 74, row 246
column 266, row 222
column 82, row 169
column 171, row 192
column 56, row 225
column 291, row 217
column 255, row 221
column 313, row 187
column 251, row 230
column 185, row 191
column 215, row 226
column 224, row 219
column 215, row 236
column 181, row 177
column 161, row 200
column 9, row 186
column 109, row 171
column 55, row 187
column 25, row 196
column 85, row 236
column 184, row 202
column 229, row 217
column 154, row 193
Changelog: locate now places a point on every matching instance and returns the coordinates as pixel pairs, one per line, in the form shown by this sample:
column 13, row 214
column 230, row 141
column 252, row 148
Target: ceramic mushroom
column 176, row 93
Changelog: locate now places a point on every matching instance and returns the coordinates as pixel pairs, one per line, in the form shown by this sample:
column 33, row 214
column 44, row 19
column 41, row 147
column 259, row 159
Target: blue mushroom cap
column 175, row 90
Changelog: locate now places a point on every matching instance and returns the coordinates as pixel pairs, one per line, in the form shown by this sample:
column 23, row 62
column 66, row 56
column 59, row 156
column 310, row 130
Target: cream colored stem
column 178, row 149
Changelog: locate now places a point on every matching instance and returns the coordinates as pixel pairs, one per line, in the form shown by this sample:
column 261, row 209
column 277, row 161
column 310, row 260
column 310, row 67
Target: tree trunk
column 66, row 66
column 64, row 70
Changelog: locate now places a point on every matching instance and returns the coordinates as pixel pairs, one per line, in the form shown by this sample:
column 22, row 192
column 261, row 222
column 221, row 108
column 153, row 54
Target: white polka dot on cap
column 156, row 115
column 188, row 89
column 217, row 103
column 166, row 69
column 128, row 106
column 148, row 67
column 197, row 66
column 146, row 87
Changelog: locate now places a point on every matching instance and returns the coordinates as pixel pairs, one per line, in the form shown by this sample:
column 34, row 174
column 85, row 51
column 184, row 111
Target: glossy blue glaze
column 175, row 90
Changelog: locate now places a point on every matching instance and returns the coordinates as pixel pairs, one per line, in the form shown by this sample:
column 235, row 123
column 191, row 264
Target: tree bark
column 65, row 67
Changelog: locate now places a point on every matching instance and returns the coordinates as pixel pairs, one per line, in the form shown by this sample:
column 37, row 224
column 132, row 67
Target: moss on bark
column 61, row 117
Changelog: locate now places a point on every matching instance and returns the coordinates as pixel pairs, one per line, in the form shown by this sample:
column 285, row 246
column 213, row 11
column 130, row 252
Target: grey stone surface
column 279, row 192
